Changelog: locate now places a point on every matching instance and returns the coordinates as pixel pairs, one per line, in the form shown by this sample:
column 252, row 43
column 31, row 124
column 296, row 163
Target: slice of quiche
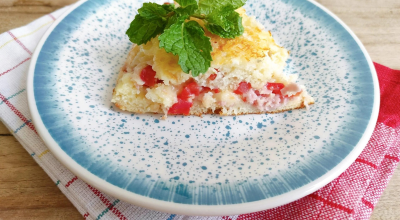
column 246, row 77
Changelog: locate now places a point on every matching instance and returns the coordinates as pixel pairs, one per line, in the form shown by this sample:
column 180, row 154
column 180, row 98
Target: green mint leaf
column 149, row 23
column 169, row 7
column 225, row 23
column 188, row 10
column 187, row 40
column 184, row 3
column 142, row 30
column 172, row 34
column 222, row 17
column 206, row 7
column 187, row 7
column 172, row 20
column 153, row 10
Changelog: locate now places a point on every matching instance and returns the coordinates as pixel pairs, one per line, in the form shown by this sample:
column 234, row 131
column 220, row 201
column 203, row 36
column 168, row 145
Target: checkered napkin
column 352, row 195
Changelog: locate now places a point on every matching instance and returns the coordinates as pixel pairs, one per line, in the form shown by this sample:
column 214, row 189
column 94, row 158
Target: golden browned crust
column 219, row 111
column 252, row 46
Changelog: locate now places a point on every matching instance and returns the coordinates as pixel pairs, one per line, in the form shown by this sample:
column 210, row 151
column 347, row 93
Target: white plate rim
column 198, row 210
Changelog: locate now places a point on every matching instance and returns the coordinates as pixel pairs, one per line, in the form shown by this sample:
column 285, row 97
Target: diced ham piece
column 242, row 88
column 250, row 96
column 291, row 90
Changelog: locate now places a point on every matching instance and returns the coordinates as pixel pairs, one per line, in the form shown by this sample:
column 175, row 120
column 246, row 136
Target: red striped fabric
column 392, row 158
column 52, row 17
column 107, row 203
column 389, row 81
column 17, row 112
column 19, row 42
column 355, row 193
column 369, row 204
column 86, row 215
column 366, row 162
column 19, row 64
column 71, row 181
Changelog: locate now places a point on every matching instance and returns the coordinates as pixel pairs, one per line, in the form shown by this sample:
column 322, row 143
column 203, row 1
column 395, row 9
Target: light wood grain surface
column 26, row 192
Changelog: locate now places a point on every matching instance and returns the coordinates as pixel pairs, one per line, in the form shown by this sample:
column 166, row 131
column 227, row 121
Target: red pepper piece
column 148, row 75
column 205, row 89
column 191, row 89
column 212, row 76
column 275, row 87
column 242, row 88
column 160, row 81
column 215, row 90
column 182, row 107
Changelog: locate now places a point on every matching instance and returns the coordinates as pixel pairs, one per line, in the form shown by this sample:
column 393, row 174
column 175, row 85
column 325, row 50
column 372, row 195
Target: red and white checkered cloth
column 352, row 195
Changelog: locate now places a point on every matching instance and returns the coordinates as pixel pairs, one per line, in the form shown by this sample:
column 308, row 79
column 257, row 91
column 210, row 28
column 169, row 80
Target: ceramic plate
column 212, row 165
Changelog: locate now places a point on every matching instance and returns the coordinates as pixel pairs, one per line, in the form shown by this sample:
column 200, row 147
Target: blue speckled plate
column 211, row 165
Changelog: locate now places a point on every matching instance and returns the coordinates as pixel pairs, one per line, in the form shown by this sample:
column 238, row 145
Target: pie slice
column 246, row 77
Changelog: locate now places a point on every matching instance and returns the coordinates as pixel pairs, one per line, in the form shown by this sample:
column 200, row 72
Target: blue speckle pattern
column 211, row 160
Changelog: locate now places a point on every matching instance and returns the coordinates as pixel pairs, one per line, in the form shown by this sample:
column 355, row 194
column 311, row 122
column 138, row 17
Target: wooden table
column 26, row 192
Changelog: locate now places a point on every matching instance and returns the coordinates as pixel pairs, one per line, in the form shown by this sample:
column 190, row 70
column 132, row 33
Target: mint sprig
column 225, row 22
column 185, row 38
